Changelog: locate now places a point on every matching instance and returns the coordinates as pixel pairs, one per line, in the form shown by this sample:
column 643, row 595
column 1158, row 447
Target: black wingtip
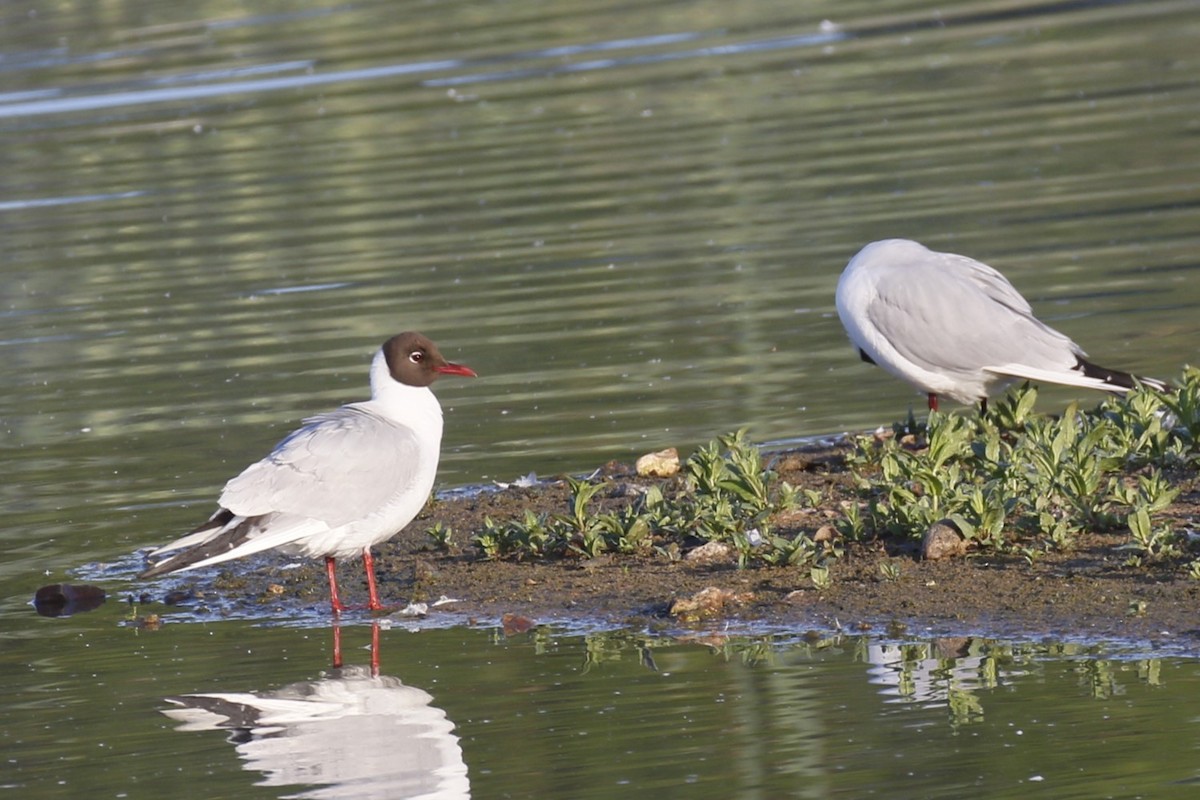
column 1116, row 378
column 220, row 542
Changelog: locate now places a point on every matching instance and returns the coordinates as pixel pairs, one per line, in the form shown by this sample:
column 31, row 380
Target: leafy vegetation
column 1011, row 481
column 726, row 494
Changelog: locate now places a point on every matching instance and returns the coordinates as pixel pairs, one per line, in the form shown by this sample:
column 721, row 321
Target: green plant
column 627, row 530
column 851, row 524
column 529, row 536
column 820, row 577
column 441, row 537
column 1150, row 542
column 781, row 551
column 583, row 533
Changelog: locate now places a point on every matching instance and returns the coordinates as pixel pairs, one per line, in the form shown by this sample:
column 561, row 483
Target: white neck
column 415, row 406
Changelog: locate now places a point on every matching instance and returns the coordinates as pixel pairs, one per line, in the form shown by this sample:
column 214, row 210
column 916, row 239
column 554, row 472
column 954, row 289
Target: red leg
column 334, row 600
column 337, row 645
column 932, row 401
column 372, row 592
column 374, row 649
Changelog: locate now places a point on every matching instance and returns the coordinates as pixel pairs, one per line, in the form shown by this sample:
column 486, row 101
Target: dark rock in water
column 65, row 599
column 179, row 597
column 515, row 623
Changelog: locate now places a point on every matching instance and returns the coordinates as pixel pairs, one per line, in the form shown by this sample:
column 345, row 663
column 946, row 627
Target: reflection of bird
column 953, row 326
column 352, row 735
column 949, row 673
column 343, row 482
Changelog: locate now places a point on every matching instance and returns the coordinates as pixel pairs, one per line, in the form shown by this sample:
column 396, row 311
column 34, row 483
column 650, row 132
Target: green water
column 560, row 713
column 629, row 219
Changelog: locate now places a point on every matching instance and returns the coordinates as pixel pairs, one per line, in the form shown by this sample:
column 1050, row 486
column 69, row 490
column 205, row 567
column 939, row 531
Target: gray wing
column 953, row 313
column 336, row 468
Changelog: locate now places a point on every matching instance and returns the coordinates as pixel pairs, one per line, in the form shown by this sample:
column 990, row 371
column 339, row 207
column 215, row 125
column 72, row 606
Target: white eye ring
column 416, row 356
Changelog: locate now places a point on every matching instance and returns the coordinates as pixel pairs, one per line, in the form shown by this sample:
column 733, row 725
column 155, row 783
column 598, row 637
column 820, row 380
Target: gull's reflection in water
column 352, row 733
column 951, row 673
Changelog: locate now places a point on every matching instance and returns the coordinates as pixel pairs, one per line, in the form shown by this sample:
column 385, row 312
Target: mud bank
column 882, row 586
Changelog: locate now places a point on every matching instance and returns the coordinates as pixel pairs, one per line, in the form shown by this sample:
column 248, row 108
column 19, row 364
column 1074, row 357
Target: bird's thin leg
column 932, row 401
column 334, row 600
column 375, row 649
column 337, row 645
column 983, row 407
column 372, row 593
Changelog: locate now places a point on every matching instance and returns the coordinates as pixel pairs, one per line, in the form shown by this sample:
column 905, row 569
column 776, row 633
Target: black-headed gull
column 345, row 481
column 954, row 327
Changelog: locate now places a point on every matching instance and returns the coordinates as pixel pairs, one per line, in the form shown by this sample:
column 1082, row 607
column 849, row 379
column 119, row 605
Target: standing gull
column 954, row 327
column 346, row 480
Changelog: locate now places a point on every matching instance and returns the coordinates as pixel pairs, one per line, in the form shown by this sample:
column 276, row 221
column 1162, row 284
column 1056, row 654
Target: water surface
column 563, row 713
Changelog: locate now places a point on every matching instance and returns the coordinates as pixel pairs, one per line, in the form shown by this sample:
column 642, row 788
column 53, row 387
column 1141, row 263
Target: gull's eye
column 416, row 356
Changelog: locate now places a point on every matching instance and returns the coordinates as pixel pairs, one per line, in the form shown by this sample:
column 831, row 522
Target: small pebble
column 942, row 540
column 662, row 464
